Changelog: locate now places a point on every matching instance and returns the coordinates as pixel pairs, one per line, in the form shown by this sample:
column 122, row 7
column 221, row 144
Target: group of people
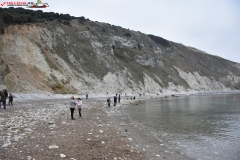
column 4, row 96
column 75, row 105
column 118, row 98
column 115, row 98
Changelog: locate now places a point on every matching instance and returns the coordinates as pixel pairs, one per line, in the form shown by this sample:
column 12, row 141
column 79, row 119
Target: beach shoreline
column 39, row 127
column 42, row 129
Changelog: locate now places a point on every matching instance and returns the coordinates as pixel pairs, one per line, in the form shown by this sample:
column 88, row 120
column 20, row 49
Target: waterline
column 205, row 127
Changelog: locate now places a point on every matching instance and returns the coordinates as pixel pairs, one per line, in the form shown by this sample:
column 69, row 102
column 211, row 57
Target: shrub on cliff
column 19, row 16
column 8, row 18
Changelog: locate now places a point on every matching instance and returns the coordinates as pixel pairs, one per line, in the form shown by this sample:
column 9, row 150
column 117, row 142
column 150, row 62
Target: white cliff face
column 150, row 85
column 233, row 78
column 172, row 88
column 125, row 41
column 157, row 50
column 49, row 39
column 30, row 54
column 200, row 83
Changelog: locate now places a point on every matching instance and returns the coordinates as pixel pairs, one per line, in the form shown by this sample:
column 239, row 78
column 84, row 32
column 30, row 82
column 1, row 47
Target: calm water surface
column 205, row 127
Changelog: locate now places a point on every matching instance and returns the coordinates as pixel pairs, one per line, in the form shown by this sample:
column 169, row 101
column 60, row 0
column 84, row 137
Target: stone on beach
column 1, row 127
column 158, row 156
column 50, row 122
column 53, row 147
column 6, row 145
column 15, row 127
column 62, row 155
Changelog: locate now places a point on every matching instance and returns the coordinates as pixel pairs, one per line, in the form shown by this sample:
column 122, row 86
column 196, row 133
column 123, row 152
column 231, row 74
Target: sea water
column 204, row 127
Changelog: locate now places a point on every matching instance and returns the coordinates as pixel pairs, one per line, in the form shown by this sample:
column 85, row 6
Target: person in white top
column 79, row 105
column 72, row 106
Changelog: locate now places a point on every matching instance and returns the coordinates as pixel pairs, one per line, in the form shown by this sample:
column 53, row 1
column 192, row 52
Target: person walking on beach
column 72, row 106
column 79, row 106
column 3, row 99
column 86, row 96
column 115, row 100
column 119, row 98
column 109, row 102
column 10, row 99
column 6, row 93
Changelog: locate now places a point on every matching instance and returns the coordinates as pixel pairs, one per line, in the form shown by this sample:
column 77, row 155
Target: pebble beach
column 36, row 129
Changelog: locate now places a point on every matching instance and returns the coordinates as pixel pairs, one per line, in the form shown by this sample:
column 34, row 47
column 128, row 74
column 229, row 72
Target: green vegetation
column 12, row 15
column 139, row 47
column 81, row 19
column 127, row 34
column 63, row 89
column 159, row 40
column 57, row 87
column 66, row 22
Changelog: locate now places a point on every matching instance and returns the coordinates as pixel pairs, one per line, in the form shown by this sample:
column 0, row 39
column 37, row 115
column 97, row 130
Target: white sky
column 212, row 26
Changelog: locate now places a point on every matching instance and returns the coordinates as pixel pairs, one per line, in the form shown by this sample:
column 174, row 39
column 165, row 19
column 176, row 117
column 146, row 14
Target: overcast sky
column 212, row 26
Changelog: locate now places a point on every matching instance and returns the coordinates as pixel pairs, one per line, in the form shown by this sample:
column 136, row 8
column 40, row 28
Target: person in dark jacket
column 115, row 100
column 10, row 99
column 3, row 99
column 6, row 93
column 119, row 98
column 109, row 102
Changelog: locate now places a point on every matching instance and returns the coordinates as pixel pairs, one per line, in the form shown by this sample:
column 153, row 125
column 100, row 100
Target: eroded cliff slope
column 94, row 57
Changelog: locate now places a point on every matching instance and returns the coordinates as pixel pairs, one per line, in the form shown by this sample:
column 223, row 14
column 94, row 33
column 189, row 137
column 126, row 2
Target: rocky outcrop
column 93, row 57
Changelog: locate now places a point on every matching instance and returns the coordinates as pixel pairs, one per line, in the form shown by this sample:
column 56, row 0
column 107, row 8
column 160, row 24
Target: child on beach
column 10, row 98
